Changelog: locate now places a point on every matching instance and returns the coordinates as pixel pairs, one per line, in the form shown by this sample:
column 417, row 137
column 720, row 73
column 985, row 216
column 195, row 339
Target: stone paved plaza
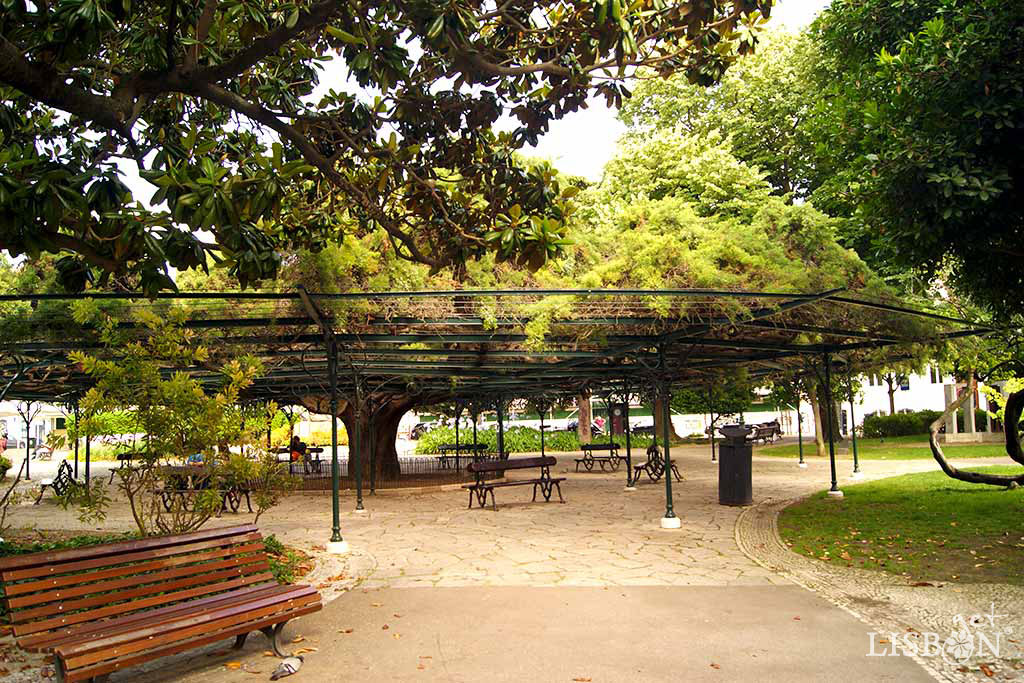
column 594, row 587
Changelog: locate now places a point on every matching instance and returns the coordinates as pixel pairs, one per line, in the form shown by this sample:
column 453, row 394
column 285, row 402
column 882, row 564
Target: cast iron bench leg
column 274, row 634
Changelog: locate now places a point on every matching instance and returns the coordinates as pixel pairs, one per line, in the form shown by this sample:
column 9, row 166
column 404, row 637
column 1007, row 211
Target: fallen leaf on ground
column 987, row 670
column 375, row 604
column 716, row 666
column 385, row 627
column 922, row 584
column 298, row 639
column 582, row 679
column 796, row 618
column 304, row 650
column 344, row 630
column 396, row 636
column 234, row 665
column 399, row 616
column 268, row 653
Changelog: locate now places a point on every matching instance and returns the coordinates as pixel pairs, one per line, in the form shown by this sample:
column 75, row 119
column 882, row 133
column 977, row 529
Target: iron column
column 77, row 427
column 853, row 425
column 332, row 370
column 830, row 415
column 800, row 431
column 355, row 451
column 670, row 520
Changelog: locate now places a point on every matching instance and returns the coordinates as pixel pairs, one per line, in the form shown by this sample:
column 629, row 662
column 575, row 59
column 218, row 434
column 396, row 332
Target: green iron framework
column 465, row 345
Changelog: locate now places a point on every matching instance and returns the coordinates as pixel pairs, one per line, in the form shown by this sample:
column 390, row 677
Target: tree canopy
column 760, row 107
column 920, row 118
column 268, row 125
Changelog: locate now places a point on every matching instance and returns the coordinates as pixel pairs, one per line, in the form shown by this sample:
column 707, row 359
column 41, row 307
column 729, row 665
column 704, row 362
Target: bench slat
column 70, row 581
column 107, row 561
column 96, row 629
column 79, row 617
column 517, row 464
column 133, row 590
column 86, row 673
column 96, row 649
column 107, row 549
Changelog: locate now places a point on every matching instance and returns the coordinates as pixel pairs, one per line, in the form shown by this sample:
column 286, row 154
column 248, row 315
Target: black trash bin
column 734, row 467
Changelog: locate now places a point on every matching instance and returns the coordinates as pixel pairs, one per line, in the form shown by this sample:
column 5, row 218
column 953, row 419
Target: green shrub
column 900, row 424
column 518, row 440
column 284, row 563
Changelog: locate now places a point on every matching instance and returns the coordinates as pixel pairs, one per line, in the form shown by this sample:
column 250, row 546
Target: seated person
column 297, row 448
column 195, row 459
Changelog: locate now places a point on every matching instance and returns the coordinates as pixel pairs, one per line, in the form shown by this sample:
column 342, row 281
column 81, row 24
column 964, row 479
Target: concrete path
column 593, row 589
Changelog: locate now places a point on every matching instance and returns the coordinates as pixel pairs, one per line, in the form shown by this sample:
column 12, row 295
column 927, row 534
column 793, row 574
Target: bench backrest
column 47, row 594
column 600, row 446
column 502, row 465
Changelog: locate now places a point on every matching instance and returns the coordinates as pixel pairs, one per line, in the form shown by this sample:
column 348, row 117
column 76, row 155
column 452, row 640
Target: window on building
column 935, row 374
column 60, row 423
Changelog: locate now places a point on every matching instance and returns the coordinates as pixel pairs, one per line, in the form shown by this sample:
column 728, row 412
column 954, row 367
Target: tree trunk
column 827, row 426
column 389, row 413
column 891, row 390
column 819, row 434
column 659, row 429
column 585, row 417
column 1014, row 404
column 387, row 416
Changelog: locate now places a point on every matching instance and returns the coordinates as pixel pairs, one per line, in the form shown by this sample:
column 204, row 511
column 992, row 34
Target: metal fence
column 414, row 471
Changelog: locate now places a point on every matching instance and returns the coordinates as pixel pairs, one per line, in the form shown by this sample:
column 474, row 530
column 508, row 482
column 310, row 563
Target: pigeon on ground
column 287, row 667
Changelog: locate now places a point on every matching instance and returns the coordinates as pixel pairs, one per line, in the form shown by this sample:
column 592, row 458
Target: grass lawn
column 891, row 448
column 925, row 527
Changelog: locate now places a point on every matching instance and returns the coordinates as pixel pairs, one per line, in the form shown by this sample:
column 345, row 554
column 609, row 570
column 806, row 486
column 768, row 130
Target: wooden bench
column 613, row 459
column 108, row 607
column 482, row 487
column 654, row 468
column 60, row 484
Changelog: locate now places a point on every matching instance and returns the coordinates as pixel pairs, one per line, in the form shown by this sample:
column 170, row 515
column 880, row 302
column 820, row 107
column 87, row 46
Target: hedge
column 517, row 439
column 919, row 422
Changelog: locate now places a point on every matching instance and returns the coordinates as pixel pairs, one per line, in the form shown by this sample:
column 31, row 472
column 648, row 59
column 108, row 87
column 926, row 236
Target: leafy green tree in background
column 276, row 125
column 760, row 108
column 920, row 122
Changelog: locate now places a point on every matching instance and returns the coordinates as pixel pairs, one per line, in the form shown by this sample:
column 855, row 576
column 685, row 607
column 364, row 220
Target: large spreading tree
column 275, row 124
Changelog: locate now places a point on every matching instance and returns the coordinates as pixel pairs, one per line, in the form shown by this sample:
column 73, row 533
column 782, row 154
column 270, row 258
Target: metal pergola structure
column 482, row 345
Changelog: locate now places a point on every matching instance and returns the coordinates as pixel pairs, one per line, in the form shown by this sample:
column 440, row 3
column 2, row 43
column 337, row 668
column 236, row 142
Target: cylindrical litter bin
column 734, row 466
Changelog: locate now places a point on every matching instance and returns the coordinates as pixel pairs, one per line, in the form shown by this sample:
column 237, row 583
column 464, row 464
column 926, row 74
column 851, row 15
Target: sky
column 582, row 142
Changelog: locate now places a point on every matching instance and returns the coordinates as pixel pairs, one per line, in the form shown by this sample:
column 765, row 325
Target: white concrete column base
column 671, row 523
column 835, row 494
column 360, row 512
column 629, row 488
column 337, row 547
column 856, row 475
column 802, row 465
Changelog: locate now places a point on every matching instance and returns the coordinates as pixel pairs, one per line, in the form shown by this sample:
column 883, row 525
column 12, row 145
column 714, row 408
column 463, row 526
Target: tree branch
column 967, row 475
column 317, row 15
column 44, row 84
